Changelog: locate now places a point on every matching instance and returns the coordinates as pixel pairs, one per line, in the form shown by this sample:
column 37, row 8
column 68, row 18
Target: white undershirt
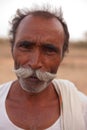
column 5, row 122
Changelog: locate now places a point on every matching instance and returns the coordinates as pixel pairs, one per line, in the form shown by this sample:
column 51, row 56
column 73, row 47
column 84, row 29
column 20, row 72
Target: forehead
column 38, row 26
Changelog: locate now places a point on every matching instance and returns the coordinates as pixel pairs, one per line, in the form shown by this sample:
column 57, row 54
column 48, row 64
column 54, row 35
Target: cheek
column 53, row 64
column 19, row 58
column 56, row 66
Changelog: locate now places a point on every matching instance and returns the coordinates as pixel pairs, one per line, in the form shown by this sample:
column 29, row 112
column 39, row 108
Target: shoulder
column 70, row 91
column 5, row 84
column 82, row 96
column 69, row 88
column 65, row 85
column 83, row 99
column 4, row 87
column 70, row 85
column 63, row 81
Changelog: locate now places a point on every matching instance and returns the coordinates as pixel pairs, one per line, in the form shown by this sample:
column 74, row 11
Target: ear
column 61, row 60
column 62, row 56
column 12, row 51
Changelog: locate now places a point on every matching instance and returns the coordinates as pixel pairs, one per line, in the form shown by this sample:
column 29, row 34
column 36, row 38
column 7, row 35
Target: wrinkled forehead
column 41, row 28
column 39, row 22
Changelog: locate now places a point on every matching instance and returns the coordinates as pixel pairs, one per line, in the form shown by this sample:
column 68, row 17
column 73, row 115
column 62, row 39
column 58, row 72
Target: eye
column 50, row 49
column 25, row 45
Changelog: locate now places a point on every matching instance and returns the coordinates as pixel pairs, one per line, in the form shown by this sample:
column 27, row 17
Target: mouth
column 33, row 78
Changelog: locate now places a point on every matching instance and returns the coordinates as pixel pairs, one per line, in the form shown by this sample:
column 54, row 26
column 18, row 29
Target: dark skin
column 38, row 44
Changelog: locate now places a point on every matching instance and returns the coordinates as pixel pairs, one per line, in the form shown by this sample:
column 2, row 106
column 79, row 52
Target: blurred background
column 74, row 65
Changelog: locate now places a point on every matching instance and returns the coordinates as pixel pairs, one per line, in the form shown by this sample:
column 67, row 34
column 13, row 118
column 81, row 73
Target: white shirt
column 5, row 122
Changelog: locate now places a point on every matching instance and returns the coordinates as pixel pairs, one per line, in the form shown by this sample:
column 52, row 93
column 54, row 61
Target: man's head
column 46, row 13
column 39, row 42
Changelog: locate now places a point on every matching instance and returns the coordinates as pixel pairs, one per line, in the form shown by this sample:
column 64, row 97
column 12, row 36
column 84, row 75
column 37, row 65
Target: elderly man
column 37, row 100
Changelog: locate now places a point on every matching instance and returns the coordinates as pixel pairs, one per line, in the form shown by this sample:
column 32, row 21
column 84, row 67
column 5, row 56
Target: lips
column 34, row 79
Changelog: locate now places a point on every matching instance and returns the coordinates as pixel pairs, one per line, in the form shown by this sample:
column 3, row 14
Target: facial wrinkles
column 44, row 78
column 39, row 37
column 47, row 33
column 39, row 26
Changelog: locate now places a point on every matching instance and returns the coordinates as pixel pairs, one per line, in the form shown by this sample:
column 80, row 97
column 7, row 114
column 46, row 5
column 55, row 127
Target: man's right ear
column 12, row 52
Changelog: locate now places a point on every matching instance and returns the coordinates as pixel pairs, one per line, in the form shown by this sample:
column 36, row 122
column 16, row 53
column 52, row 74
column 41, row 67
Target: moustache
column 28, row 72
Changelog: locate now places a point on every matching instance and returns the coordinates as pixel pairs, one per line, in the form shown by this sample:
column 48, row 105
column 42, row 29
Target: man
column 37, row 100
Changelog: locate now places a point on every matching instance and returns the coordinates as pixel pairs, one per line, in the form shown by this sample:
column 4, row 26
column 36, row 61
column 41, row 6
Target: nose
column 35, row 60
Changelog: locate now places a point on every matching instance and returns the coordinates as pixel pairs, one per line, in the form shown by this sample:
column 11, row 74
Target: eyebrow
column 44, row 45
column 25, row 42
column 51, row 46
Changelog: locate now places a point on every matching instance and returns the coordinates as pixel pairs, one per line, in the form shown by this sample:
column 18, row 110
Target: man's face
column 39, row 43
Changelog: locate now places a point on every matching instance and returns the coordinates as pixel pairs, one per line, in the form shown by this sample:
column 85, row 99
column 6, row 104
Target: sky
column 74, row 12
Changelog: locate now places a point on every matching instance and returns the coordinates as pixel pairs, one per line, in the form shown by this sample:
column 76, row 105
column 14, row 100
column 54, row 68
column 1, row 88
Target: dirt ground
column 73, row 67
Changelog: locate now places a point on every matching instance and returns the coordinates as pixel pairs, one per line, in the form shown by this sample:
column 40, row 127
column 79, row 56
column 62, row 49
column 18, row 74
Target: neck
column 47, row 95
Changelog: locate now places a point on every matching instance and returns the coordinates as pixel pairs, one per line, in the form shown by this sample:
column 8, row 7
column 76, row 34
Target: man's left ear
column 62, row 57
column 12, row 52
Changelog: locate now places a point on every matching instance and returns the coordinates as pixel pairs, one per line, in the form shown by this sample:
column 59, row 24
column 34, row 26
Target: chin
column 33, row 88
